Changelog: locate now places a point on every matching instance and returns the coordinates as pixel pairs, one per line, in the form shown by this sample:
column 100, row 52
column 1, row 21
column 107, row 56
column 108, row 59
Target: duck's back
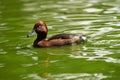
column 63, row 36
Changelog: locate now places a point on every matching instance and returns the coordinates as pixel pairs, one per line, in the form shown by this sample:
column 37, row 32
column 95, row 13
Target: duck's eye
column 39, row 26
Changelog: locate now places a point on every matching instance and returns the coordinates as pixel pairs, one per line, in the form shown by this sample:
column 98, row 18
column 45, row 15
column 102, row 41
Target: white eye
column 40, row 26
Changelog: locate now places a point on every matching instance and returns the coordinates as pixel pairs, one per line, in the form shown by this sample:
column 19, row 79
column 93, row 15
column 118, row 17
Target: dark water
column 96, row 59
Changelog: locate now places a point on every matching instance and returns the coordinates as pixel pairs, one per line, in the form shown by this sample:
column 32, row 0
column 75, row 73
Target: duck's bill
column 31, row 33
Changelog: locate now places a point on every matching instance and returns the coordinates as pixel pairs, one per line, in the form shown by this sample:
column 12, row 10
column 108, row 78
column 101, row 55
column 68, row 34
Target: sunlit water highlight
column 68, row 76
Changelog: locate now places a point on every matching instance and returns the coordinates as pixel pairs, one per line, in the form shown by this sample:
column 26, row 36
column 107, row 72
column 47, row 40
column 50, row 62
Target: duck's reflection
column 46, row 64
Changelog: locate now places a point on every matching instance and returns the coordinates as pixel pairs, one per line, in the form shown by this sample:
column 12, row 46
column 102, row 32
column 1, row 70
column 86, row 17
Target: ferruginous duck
column 40, row 28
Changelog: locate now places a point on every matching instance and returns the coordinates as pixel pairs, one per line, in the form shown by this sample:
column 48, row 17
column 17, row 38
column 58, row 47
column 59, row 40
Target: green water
column 96, row 59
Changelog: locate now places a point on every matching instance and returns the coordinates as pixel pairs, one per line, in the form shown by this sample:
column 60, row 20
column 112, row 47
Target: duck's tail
column 84, row 38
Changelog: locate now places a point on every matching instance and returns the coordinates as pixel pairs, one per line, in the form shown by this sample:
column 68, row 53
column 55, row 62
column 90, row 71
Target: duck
column 40, row 28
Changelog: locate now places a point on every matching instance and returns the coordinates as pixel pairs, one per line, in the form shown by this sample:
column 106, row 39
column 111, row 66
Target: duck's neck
column 40, row 37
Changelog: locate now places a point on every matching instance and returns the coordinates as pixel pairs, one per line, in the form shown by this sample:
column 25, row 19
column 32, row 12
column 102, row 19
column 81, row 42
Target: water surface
column 96, row 59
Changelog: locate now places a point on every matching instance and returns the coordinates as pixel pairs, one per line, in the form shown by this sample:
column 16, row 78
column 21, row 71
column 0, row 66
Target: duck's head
column 40, row 28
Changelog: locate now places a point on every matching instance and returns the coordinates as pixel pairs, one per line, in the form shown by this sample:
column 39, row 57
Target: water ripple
column 26, row 52
column 91, row 10
column 2, row 65
column 102, row 31
column 2, row 51
column 67, row 76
